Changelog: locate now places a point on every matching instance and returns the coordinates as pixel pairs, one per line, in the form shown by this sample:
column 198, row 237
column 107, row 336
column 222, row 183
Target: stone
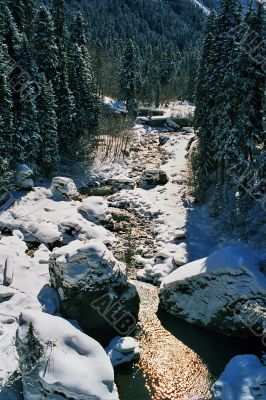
column 24, row 177
column 225, row 292
column 172, row 126
column 163, row 140
column 94, row 289
column 63, row 188
column 153, row 176
column 123, row 350
column 123, row 183
column 95, row 209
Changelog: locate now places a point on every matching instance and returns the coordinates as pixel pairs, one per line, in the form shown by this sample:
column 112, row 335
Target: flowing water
column 178, row 361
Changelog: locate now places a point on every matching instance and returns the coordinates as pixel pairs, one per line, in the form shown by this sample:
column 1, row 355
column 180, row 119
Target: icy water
column 178, row 361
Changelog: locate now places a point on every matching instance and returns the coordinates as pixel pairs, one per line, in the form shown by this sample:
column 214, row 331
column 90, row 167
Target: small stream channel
column 178, row 361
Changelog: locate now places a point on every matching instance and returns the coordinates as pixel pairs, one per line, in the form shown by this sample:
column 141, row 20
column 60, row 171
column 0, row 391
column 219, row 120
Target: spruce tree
column 45, row 48
column 6, row 121
column 86, row 102
column 128, row 75
column 48, row 127
column 27, row 132
column 65, row 98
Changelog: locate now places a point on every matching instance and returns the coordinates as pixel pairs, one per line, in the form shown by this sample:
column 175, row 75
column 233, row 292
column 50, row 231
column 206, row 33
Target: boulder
column 153, row 176
column 123, row 350
column 24, row 177
column 163, row 140
column 187, row 129
column 172, row 125
column 95, row 209
column 94, row 289
column 244, row 378
column 63, row 188
column 225, row 292
column 123, row 183
column 60, row 362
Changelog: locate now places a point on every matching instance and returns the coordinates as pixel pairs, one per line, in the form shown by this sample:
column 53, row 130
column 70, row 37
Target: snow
column 223, row 292
column 227, row 259
column 244, row 378
column 123, row 350
column 96, row 210
column 41, row 218
column 78, row 260
column 26, row 279
column 75, row 366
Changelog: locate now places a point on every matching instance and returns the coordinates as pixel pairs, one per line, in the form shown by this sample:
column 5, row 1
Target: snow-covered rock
column 24, row 176
column 244, row 378
column 42, row 219
column 60, row 362
column 187, row 129
column 123, row 350
column 94, row 289
column 225, row 292
column 22, row 279
column 95, row 209
column 123, row 183
column 63, row 188
column 153, row 176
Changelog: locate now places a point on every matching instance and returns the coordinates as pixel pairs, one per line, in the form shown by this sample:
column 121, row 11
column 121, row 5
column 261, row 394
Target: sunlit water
column 178, row 361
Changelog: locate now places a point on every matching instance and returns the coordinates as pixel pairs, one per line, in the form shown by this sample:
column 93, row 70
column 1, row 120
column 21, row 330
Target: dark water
column 197, row 357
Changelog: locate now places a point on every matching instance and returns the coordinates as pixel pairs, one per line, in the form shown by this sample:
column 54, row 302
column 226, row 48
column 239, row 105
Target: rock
column 153, row 176
column 123, row 183
column 60, row 362
column 172, row 126
column 63, row 188
column 123, row 350
column 95, row 209
column 163, row 140
column 24, row 176
column 244, row 378
column 187, row 129
column 94, row 289
column 225, row 292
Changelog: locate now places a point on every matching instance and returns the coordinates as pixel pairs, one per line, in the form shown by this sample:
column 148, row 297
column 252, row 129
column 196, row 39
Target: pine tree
column 48, row 127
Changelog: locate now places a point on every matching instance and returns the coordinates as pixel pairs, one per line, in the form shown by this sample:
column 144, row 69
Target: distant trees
column 229, row 100
column 47, row 91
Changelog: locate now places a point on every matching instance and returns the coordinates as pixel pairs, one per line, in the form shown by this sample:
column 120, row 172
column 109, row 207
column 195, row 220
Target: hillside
column 166, row 33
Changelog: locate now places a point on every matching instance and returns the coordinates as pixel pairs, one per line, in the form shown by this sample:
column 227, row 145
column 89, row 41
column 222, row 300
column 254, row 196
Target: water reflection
column 178, row 361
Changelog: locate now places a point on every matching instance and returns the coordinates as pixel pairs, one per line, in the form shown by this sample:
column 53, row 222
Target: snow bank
column 123, row 350
column 58, row 361
column 40, row 218
column 225, row 292
column 244, row 378
column 21, row 280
